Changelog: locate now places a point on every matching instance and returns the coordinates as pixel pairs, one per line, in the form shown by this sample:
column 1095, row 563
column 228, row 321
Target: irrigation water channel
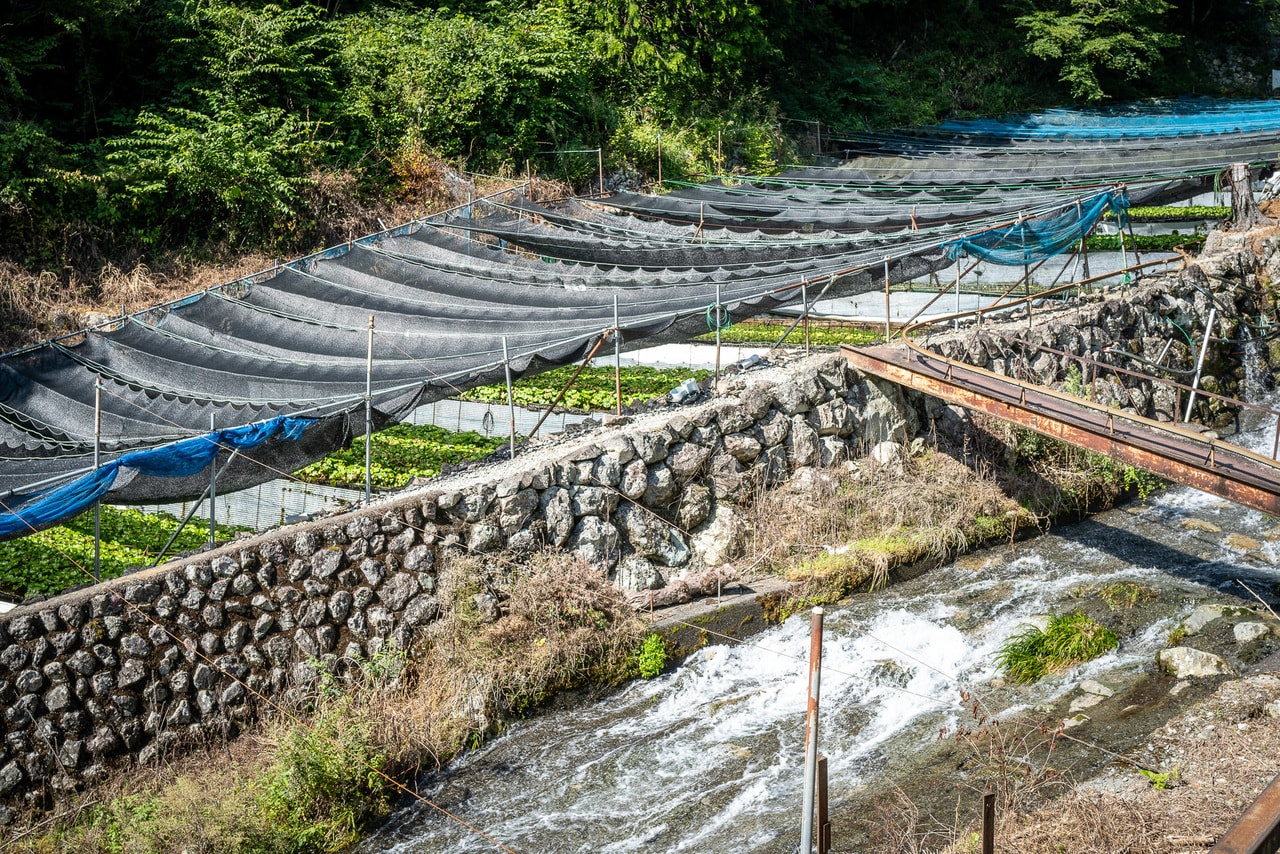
column 709, row 757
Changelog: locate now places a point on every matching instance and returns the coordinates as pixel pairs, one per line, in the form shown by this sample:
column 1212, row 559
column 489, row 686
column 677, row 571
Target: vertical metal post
column 600, row 163
column 989, row 823
column 659, row 161
column 213, row 483
column 470, row 236
column 720, row 151
column 804, row 307
column 956, row 323
column 716, row 314
column 97, row 458
column 511, row 403
column 1124, row 258
column 368, row 419
column 617, row 356
column 824, row 818
column 1204, row 348
column 886, row 300
column 811, row 731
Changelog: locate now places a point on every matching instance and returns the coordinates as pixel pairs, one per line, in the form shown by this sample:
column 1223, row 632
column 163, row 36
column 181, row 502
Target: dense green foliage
column 133, row 130
column 769, row 334
column 595, row 389
column 399, row 454
column 53, row 560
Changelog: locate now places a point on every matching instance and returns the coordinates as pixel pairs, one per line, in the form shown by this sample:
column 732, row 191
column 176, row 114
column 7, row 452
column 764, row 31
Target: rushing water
column 709, row 757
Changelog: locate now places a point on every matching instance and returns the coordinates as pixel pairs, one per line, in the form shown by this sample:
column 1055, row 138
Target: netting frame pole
column 368, row 419
column 887, row 333
column 213, row 482
column 600, row 163
column 717, row 324
column 804, row 312
column 97, row 458
column 617, row 358
column 955, row 323
column 511, row 401
column 659, row 162
column 1204, row 348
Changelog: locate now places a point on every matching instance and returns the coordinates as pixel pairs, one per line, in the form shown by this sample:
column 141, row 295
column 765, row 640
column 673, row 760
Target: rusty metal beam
column 1258, row 830
column 1206, row 464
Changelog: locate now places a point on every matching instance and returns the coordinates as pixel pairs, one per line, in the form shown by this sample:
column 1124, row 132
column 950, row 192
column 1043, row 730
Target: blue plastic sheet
column 178, row 459
column 1034, row 239
column 1159, row 120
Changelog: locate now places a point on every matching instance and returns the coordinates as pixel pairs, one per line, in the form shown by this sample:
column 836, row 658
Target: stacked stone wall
column 141, row 667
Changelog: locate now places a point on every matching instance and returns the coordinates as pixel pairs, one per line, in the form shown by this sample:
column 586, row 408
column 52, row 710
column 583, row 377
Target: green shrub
column 1068, row 640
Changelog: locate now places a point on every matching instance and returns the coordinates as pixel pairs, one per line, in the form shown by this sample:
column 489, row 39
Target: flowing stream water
column 709, row 757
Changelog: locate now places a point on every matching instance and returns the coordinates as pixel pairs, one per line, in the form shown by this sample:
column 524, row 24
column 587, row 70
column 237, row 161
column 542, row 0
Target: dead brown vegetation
column 846, row 527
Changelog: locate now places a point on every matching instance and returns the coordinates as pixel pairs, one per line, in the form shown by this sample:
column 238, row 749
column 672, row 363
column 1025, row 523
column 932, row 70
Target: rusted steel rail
column 1180, row 455
column 1258, row 830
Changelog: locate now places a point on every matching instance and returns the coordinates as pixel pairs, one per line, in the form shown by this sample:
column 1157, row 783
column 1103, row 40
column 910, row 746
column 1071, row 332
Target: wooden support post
column 989, row 823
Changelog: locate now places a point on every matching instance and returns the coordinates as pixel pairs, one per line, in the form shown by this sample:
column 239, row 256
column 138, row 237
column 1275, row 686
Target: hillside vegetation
column 179, row 131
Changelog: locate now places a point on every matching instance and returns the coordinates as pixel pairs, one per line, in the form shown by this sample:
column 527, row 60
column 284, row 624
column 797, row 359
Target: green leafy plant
column 769, row 333
column 652, row 658
column 399, row 454
column 1174, row 213
column 593, row 391
column 57, row 558
column 1068, row 640
column 1159, row 780
column 1146, row 242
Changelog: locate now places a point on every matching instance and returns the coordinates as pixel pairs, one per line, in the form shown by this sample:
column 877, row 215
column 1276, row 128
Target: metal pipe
column 560, row 396
column 717, row 324
column 1204, row 348
column 511, row 403
column 955, row 324
column 617, row 358
column 804, row 312
column 97, row 459
column 887, row 335
column 213, row 481
column 796, row 322
column 811, row 731
column 600, row 161
column 368, row 420
column 659, row 161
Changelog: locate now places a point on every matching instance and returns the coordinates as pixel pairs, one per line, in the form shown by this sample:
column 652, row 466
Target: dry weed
column 931, row 507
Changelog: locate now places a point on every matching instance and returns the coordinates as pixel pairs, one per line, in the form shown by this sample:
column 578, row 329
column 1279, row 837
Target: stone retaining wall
column 134, row 669
column 1161, row 318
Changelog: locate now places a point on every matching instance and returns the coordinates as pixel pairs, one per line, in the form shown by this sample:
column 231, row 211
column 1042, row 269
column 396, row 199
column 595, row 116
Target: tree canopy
column 131, row 129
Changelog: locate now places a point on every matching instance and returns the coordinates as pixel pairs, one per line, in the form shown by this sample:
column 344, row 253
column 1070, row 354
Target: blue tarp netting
column 179, row 459
column 1143, row 121
column 1037, row 238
